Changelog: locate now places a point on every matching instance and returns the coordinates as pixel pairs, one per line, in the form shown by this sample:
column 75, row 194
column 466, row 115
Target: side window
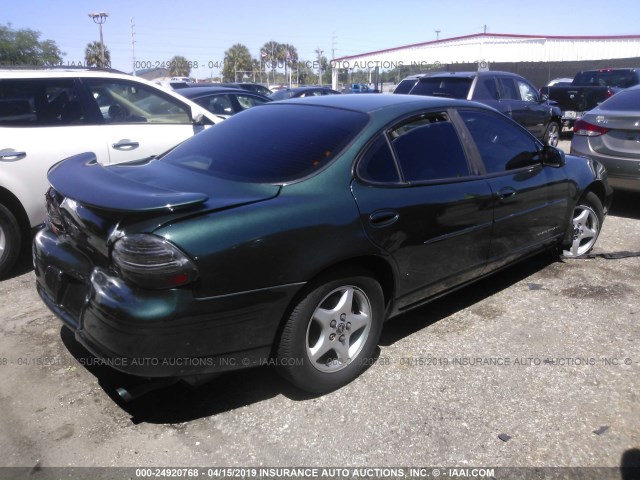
column 50, row 102
column 248, row 101
column 377, row 164
column 429, row 149
column 502, row 145
column 507, row 89
column 128, row 102
column 486, row 89
column 527, row 92
column 218, row 104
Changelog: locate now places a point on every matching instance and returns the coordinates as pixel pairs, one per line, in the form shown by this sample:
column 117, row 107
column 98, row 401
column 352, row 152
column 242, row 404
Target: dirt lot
column 545, row 354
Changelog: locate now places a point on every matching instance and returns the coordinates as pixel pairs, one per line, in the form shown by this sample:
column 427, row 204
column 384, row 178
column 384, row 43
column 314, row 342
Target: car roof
column 466, row 74
column 193, row 92
column 372, row 103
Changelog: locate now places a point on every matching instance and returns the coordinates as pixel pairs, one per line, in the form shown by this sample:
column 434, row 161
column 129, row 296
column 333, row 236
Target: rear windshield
column 626, row 101
column 454, row 87
column 271, row 143
column 611, row 78
column 405, row 85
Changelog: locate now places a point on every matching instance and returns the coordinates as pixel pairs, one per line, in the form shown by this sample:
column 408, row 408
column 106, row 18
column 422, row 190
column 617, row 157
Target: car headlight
column 152, row 262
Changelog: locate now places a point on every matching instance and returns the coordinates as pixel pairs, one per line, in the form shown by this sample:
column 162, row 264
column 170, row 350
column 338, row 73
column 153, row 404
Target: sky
column 203, row 30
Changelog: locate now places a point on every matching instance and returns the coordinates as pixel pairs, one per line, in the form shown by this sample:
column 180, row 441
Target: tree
column 179, row 66
column 93, row 56
column 236, row 59
column 272, row 53
column 290, row 58
column 23, row 47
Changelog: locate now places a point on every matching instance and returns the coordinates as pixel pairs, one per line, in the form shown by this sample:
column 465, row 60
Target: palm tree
column 290, row 57
column 179, row 66
column 236, row 59
column 93, row 55
column 271, row 52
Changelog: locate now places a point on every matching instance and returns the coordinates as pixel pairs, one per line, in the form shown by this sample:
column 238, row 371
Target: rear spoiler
column 82, row 178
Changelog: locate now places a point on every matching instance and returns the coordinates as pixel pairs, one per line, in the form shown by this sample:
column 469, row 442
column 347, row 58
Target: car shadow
column 625, row 204
column 443, row 307
column 179, row 402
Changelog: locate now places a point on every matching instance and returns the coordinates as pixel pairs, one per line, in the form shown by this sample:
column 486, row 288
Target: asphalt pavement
column 536, row 366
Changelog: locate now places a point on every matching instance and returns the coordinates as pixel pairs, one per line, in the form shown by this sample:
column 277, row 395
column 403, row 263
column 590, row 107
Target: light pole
column 99, row 18
column 319, row 52
column 437, row 34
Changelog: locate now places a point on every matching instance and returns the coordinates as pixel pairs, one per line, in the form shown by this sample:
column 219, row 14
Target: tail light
column 153, row 262
column 588, row 129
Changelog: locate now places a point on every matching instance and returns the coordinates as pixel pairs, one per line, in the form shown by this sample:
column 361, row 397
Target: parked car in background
column 588, row 89
column 49, row 114
column 173, row 85
column 252, row 87
column 302, row 92
column 507, row 92
column 560, row 82
column 361, row 88
column 610, row 133
column 224, row 101
column 245, row 246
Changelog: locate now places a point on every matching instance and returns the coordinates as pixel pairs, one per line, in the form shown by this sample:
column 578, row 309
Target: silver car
column 610, row 133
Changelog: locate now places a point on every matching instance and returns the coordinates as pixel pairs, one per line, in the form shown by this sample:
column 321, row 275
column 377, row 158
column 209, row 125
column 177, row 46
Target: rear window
column 271, row 143
column 452, row 87
column 625, row 101
column 606, row 78
column 405, row 86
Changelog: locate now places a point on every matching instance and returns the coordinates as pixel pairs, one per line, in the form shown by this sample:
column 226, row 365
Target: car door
column 423, row 203
column 42, row 121
column 139, row 121
column 530, row 199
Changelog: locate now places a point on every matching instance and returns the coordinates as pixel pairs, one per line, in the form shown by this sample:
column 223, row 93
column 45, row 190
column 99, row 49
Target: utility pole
column 99, row 18
column 437, row 35
column 319, row 52
column 133, row 47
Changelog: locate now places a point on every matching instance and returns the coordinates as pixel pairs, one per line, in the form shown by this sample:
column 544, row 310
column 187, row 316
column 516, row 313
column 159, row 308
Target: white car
column 50, row 114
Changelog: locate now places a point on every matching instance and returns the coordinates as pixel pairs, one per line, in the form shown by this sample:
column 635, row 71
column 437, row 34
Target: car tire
column 552, row 135
column 332, row 333
column 584, row 226
column 9, row 240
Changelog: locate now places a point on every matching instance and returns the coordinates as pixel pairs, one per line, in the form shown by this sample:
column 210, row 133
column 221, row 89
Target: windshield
column 452, row 87
column 271, row 143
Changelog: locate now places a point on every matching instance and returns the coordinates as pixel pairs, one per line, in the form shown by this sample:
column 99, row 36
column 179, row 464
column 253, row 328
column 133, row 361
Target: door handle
column 11, row 155
column 383, row 218
column 126, row 144
column 506, row 193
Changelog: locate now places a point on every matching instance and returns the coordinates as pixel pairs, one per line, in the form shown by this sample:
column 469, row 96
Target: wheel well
column 10, row 201
column 598, row 189
column 379, row 269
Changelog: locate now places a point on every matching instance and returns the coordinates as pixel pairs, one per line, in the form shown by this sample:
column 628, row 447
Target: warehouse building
column 536, row 57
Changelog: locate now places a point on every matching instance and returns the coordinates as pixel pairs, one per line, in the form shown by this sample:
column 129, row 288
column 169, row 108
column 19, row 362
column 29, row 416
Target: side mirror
column 197, row 116
column 544, row 97
column 552, row 156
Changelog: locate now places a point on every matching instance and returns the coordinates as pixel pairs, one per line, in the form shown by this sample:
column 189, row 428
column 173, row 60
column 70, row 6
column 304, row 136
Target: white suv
column 48, row 115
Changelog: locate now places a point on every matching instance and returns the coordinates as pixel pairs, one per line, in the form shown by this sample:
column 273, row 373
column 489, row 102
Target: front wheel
column 585, row 226
column 9, row 240
column 331, row 335
column 552, row 135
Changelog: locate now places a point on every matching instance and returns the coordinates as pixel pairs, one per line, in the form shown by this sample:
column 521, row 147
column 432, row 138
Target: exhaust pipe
column 131, row 393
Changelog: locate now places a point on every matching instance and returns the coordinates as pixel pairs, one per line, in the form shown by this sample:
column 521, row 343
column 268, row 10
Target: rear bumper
column 622, row 172
column 161, row 333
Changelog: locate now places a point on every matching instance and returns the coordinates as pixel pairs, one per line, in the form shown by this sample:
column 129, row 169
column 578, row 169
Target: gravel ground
column 544, row 354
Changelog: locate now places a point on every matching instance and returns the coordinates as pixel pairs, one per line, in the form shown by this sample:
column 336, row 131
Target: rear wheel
column 9, row 240
column 332, row 333
column 585, row 226
column 552, row 135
